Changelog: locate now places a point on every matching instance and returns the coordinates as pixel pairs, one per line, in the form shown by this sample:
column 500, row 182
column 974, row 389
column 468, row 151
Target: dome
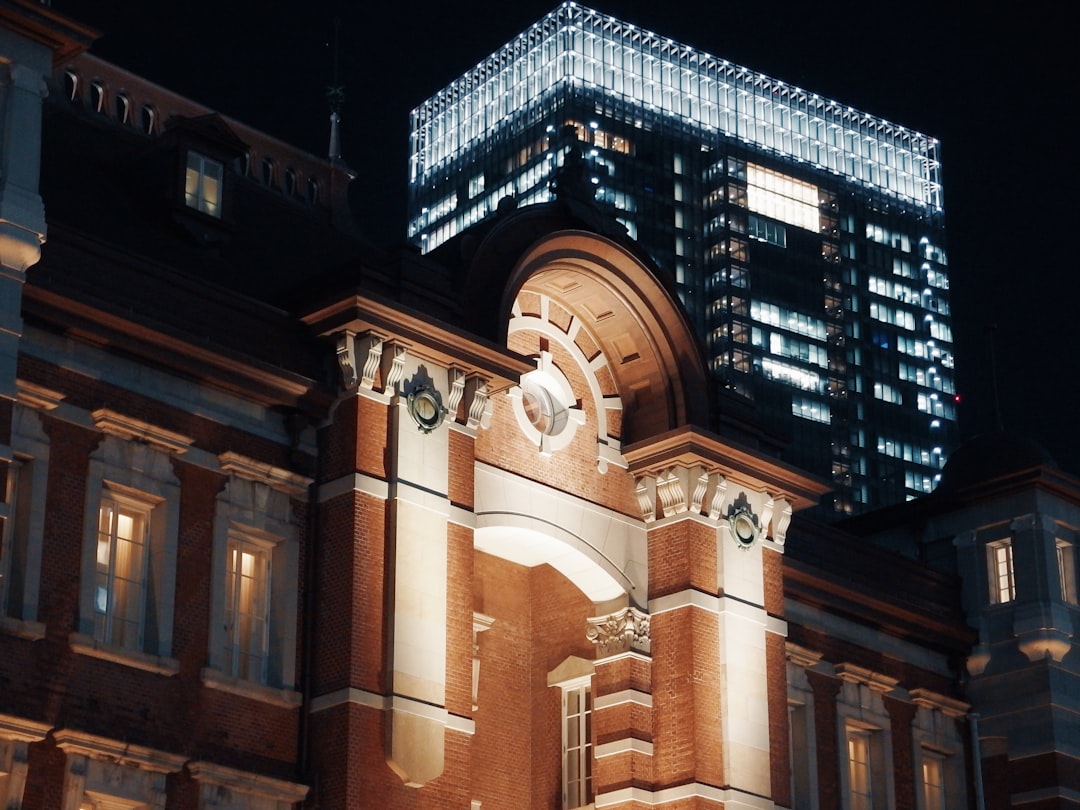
column 992, row 456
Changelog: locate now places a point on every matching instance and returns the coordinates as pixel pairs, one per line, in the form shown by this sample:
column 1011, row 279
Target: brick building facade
column 291, row 521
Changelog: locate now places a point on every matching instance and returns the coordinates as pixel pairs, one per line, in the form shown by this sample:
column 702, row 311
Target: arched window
column 148, row 119
column 290, row 182
column 71, row 85
column 312, row 191
column 268, row 171
column 122, row 107
column 97, row 96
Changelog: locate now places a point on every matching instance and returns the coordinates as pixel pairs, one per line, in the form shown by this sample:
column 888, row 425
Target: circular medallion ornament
column 426, row 408
column 744, row 527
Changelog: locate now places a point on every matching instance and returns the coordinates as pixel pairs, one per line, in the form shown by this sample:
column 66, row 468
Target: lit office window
column 202, row 184
column 1000, row 561
column 782, row 197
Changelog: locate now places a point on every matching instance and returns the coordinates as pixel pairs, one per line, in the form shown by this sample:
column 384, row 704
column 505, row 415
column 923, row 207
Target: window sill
column 87, row 645
column 286, row 698
column 32, row 631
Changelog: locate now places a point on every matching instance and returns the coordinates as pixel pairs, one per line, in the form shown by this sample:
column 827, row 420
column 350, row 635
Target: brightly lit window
column 933, row 781
column 860, row 773
column 810, row 409
column 577, row 744
column 1000, row 562
column 247, row 594
column 781, row 197
column 1066, row 561
column 202, row 184
column 120, row 571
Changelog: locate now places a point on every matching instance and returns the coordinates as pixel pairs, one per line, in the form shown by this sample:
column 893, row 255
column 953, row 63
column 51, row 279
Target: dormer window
column 202, row 184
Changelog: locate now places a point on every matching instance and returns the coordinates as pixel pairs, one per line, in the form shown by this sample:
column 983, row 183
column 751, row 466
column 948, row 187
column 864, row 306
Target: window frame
column 1065, row 554
column 1001, row 583
column 133, row 607
column 582, row 788
column 143, row 475
column 201, row 175
column 933, row 796
column 244, row 540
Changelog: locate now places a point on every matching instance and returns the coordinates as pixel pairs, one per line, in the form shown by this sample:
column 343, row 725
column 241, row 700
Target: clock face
column 425, row 407
column 744, row 527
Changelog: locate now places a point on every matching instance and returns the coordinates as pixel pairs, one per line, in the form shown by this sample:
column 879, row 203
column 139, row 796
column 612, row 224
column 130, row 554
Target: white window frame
column 1001, row 571
column 140, row 476
column 577, row 744
column 123, row 624
column 859, row 752
column 932, row 780
column 255, row 507
column 242, row 639
column 204, row 180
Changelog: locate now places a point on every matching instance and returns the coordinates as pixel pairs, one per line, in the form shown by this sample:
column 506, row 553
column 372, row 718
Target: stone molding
column 625, row 630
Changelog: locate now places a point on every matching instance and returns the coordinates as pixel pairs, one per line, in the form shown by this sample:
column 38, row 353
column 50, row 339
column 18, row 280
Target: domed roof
column 992, row 456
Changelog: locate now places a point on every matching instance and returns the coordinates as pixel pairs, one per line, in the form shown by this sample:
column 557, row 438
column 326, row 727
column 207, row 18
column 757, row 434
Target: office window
column 202, row 184
column 247, row 594
column 13, row 546
column 120, row 571
column 1000, row 563
column 577, row 744
column 933, row 781
column 1066, row 560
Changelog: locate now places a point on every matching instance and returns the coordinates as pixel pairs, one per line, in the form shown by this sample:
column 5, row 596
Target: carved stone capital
column 625, row 630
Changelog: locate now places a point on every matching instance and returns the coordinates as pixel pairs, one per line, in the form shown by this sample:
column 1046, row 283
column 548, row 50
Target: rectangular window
column 1066, row 560
column 120, row 571
column 13, row 540
column 933, row 781
column 202, row 184
column 1000, row 561
column 860, row 783
column 247, row 590
column 577, row 745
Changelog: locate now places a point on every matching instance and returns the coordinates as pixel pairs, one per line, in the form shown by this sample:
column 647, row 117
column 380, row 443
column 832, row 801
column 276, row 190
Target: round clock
column 426, row 409
column 744, row 527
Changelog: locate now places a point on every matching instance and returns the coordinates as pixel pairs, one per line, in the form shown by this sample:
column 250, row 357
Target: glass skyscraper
column 806, row 238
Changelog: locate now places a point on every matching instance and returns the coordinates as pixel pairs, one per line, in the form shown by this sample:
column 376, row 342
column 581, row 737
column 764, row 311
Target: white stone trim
column 628, row 745
column 246, row 782
column 20, row 729
column 624, row 696
column 278, row 478
column 38, row 397
column 370, row 700
column 732, row 798
column 128, row 428
column 84, row 644
column 948, row 706
column 122, row 753
column 286, row 698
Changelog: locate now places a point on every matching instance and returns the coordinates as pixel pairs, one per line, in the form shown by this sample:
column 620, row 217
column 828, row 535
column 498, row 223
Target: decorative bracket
column 625, row 630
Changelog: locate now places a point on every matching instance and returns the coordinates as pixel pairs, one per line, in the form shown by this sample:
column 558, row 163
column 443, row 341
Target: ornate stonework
column 626, row 630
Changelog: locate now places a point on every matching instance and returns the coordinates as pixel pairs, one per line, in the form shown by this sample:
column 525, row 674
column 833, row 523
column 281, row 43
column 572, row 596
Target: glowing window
column 1000, row 562
column 781, row 197
column 120, row 571
column 202, row 184
column 247, row 591
column 933, row 781
column 860, row 783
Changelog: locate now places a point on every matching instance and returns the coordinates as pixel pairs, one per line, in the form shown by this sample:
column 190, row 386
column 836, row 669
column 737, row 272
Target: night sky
column 994, row 82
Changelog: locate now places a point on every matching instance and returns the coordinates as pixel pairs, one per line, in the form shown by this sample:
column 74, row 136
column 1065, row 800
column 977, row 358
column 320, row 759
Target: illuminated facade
column 806, row 238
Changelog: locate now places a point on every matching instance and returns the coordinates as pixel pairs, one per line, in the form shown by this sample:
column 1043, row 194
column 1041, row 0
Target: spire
column 335, row 95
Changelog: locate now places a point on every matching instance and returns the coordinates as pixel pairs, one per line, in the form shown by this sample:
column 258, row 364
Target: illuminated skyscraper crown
column 577, row 47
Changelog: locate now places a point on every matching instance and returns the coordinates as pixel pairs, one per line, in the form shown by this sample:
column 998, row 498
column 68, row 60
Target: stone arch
column 636, row 321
